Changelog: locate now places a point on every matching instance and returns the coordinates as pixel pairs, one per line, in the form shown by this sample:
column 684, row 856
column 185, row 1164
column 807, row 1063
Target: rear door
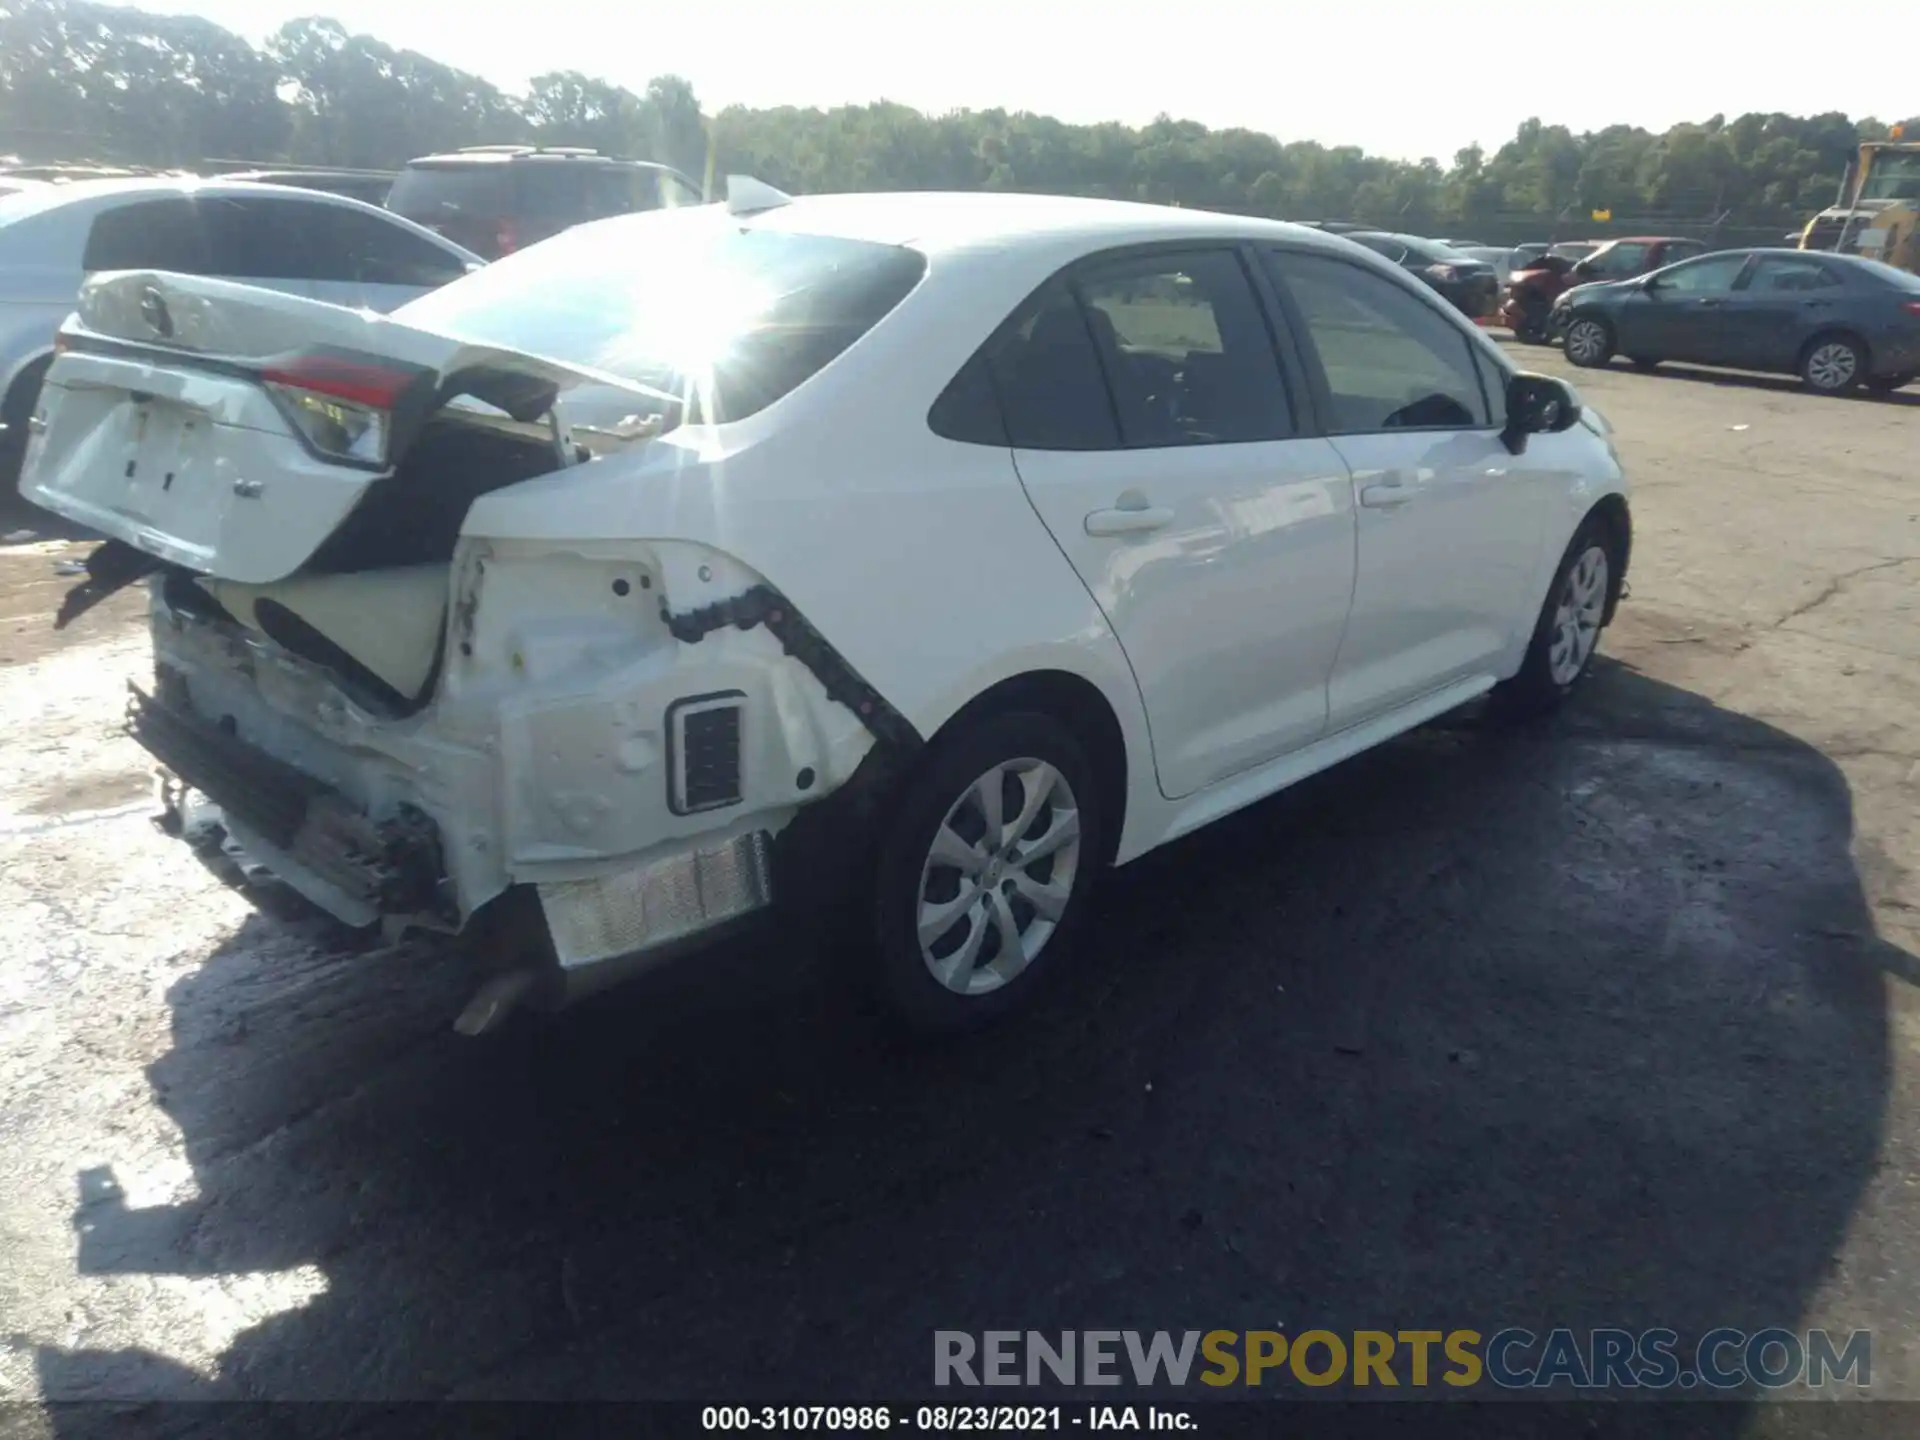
column 1448, row 520
column 1777, row 303
column 1158, row 436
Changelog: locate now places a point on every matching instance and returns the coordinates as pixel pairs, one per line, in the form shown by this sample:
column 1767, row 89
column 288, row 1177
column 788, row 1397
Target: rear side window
column 437, row 194
column 720, row 320
column 1772, row 274
column 1047, row 374
column 261, row 239
column 1188, row 356
column 352, row 245
column 563, row 192
column 1392, row 362
column 149, row 235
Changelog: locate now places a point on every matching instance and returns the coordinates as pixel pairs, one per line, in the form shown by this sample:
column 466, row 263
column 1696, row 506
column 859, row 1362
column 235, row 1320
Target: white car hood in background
column 210, row 516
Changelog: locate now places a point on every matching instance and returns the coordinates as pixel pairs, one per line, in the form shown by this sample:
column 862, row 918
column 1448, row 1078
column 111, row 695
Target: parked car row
column 319, row 233
column 607, row 590
column 302, row 242
column 1839, row 322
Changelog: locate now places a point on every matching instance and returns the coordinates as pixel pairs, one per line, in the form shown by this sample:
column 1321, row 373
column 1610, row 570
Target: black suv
column 493, row 199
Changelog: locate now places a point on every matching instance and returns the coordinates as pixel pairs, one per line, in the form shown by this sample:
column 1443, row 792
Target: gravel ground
column 1612, row 1023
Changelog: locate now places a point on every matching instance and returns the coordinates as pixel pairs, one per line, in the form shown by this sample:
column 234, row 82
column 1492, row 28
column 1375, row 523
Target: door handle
column 1707, row 303
column 1126, row 521
column 1388, row 496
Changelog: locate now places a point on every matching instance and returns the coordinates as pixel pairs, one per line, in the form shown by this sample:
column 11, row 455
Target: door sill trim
column 1224, row 797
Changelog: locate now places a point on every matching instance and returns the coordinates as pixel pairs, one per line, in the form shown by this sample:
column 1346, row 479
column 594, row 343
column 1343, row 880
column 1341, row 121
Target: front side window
column 350, row 245
column 1712, row 275
column 1773, row 274
column 722, row 321
column 1187, row 354
column 1391, row 360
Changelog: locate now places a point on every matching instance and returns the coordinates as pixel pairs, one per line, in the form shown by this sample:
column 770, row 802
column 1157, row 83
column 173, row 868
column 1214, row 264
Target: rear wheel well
column 25, row 388
column 1835, row 332
column 1612, row 513
column 1078, row 704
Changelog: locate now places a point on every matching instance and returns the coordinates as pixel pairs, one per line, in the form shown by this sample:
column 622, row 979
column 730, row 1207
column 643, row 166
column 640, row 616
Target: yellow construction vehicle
column 1877, row 213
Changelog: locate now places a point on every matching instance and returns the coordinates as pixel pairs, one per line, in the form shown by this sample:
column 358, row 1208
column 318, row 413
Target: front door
column 1155, row 434
column 1449, row 520
column 1682, row 312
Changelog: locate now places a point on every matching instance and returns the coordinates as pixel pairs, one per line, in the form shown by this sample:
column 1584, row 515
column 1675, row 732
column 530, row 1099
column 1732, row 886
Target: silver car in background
column 321, row 247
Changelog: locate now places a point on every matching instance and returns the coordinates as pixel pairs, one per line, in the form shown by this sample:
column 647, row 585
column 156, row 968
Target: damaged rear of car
column 411, row 709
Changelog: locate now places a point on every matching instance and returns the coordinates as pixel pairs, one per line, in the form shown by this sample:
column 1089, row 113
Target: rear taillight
column 506, row 237
column 1912, row 307
column 342, row 407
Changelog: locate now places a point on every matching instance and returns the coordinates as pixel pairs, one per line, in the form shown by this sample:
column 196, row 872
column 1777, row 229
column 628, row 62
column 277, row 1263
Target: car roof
column 457, row 159
column 78, row 192
column 940, row 220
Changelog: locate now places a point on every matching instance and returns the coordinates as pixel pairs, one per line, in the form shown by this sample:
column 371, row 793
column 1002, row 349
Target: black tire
column 1833, row 364
column 1534, row 690
column 1574, row 344
column 1641, row 362
column 15, row 411
column 948, row 776
column 1887, row 384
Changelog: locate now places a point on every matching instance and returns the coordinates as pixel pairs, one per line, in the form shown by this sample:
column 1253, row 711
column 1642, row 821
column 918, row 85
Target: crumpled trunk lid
column 160, row 425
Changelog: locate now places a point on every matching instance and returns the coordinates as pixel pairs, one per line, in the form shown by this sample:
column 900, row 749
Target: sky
column 1397, row 78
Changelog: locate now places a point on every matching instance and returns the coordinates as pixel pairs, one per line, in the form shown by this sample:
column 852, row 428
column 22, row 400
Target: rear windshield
column 434, row 194
column 686, row 302
column 1892, row 275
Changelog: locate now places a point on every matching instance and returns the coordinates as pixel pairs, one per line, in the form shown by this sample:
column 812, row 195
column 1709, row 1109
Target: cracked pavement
column 1607, row 1023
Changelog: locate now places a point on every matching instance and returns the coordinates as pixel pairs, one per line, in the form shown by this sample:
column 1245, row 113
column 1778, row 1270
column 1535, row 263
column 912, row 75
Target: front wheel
column 1567, row 633
column 1588, row 342
column 1832, row 365
column 985, row 870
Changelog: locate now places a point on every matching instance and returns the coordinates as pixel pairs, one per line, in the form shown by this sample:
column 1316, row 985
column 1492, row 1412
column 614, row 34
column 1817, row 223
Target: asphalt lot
column 1609, row 1023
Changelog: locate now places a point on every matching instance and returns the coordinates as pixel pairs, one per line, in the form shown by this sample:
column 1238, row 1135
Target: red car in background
column 1528, row 303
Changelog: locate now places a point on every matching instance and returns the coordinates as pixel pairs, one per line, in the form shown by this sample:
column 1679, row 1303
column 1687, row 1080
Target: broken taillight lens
column 344, row 408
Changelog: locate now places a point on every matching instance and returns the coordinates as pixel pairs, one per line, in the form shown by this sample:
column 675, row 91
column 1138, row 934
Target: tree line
column 80, row 80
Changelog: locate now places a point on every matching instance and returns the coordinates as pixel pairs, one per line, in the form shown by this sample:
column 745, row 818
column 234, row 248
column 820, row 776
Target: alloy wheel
column 1832, row 366
column 1586, row 342
column 1576, row 618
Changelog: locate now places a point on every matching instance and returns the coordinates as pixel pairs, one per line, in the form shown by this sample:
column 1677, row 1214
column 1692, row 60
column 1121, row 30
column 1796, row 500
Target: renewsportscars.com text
column 1510, row 1359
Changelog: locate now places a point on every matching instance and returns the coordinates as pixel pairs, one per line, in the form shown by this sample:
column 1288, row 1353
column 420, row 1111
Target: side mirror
column 1537, row 405
column 1582, row 269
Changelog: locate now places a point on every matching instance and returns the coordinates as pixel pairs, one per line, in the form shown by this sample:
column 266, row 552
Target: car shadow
column 1577, row 1025
column 1786, row 384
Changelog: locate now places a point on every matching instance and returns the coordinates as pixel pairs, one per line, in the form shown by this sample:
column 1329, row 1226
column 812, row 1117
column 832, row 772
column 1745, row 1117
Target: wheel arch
column 1080, row 705
column 1613, row 512
column 1836, row 332
column 17, row 396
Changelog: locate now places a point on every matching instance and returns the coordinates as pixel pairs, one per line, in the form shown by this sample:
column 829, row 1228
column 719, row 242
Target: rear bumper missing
column 306, row 832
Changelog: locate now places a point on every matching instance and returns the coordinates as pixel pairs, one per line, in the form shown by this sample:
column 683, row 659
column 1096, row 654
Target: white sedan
column 936, row 551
